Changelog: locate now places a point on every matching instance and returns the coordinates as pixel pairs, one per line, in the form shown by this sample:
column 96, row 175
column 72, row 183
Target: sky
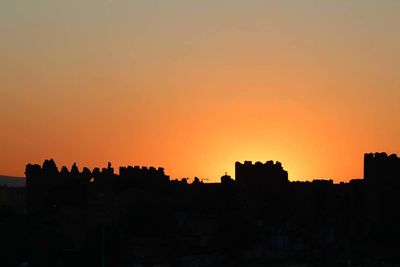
column 194, row 86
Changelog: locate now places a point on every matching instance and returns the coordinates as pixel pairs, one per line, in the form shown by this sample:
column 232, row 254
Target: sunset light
column 195, row 86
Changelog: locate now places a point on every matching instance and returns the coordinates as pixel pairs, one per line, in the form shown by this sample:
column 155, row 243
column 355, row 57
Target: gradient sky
column 194, row 86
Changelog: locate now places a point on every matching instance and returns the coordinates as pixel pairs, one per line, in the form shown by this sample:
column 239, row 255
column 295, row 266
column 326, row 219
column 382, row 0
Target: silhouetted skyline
column 141, row 217
column 199, row 133
column 196, row 85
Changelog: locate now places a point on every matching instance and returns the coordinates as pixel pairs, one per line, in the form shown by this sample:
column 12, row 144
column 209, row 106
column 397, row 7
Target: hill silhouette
column 12, row 181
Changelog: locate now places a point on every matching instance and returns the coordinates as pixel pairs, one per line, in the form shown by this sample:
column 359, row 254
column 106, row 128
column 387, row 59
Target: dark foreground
column 142, row 218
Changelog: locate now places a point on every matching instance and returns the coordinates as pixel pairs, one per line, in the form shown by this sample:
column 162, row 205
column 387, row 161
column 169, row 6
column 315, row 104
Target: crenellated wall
column 268, row 173
column 48, row 187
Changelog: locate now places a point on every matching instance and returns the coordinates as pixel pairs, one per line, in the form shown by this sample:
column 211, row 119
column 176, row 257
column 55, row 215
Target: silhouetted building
column 226, row 179
column 381, row 169
column 260, row 174
column 382, row 178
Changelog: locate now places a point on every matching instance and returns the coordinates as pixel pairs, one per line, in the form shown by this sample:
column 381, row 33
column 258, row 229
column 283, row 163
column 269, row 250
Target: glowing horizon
column 194, row 87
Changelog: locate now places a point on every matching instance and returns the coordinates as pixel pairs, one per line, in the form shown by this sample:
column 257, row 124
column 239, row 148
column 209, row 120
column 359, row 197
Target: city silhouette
column 140, row 217
column 154, row 133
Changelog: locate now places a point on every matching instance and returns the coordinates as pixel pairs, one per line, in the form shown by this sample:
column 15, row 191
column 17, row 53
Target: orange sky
column 194, row 87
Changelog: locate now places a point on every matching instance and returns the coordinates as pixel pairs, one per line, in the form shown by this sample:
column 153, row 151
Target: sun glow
column 196, row 86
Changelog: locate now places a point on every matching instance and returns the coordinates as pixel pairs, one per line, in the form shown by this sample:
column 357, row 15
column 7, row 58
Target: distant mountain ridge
column 11, row 181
